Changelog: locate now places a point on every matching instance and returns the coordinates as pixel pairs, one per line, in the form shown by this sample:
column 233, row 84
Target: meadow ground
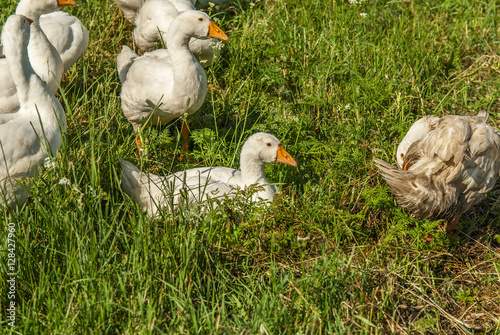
column 338, row 82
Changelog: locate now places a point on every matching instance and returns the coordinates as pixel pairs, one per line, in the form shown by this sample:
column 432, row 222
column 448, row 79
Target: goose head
column 416, row 132
column 260, row 149
column 35, row 8
column 196, row 24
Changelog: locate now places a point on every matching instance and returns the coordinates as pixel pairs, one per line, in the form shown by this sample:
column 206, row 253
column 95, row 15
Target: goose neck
column 183, row 61
column 177, row 43
column 252, row 168
column 16, row 53
column 24, row 9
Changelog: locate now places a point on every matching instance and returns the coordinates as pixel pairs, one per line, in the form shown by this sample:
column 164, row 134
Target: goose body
column 153, row 192
column 44, row 58
column 163, row 85
column 67, row 34
column 34, row 132
column 153, row 19
column 448, row 166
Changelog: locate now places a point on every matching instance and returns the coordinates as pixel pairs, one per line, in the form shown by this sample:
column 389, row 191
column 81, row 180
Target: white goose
column 67, row 34
column 152, row 21
column 153, row 192
column 34, row 132
column 448, row 166
column 44, row 58
column 165, row 84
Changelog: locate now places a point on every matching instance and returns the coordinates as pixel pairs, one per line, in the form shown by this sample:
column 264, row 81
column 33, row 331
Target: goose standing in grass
column 44, row 58
column 197, row 185
column 67, row 34
column 165, row 84
column 152, row 21
column 448, row 166
column 34, row 132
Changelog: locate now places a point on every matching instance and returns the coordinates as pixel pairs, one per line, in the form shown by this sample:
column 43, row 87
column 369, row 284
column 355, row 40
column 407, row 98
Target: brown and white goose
column 448, row 166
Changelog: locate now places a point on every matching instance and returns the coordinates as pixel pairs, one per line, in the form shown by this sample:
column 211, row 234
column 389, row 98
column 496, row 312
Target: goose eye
column 269, row 144
column 402, row 155
column 200, row 19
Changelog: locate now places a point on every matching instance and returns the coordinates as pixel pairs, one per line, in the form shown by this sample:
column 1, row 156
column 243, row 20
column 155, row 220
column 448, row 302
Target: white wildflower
column 64, row 181
column 217, row 46
column 49, row 164
column 363, row 14
column 93, row 193
column 262, row 22
column 347, row 107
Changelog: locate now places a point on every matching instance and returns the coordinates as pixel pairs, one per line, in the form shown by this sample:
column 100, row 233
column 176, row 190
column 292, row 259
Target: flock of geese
column 446, row 165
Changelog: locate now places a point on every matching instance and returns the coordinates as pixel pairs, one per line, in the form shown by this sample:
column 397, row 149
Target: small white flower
column 92, row 191
column 347, row 107
column 217, row 46
column 49, row 164
column 64, row 181
column 363, row 14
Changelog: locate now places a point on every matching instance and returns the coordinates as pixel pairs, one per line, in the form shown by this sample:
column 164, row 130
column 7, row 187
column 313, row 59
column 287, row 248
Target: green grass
column 337, row 89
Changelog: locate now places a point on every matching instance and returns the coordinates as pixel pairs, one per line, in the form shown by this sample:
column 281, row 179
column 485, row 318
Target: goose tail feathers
column 130, row 8
column 124, row 61
column 413, row 192
column 131, row 180
column 144, row 188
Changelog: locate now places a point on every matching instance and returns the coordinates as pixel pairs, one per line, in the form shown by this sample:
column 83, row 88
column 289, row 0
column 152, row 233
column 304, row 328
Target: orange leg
column 451, row 224
column 138, row 142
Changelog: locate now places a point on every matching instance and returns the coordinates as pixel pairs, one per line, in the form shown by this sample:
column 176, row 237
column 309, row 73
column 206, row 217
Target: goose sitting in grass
column 67, row 34
column 448, row 166
column 153, row 192
column 165, row 84
column 152, row 21
column 34, row 132
column 44, row 58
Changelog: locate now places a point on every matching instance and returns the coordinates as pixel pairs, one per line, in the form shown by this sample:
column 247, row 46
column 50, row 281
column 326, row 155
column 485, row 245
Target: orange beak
column 284, row 157
column 65, row 3
column 216, row 32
